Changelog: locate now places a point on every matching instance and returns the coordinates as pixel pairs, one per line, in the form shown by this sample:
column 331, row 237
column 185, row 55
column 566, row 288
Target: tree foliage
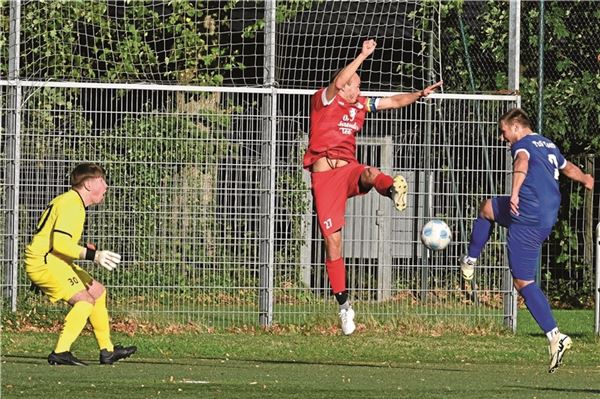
column 571, row 110
column 571, row 66
column 170, row 41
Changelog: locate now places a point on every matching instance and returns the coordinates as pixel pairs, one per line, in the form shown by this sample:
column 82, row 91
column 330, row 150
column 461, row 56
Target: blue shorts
column 524, row 243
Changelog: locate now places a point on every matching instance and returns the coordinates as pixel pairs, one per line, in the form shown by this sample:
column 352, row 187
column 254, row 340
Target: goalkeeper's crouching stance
column 49, row 264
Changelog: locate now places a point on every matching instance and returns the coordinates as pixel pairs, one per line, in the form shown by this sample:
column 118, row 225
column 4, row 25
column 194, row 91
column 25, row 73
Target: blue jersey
column 539, row 197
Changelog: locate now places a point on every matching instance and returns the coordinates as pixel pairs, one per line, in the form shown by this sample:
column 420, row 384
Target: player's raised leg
column 395, row 188
column 398, row 192
column 490, row 211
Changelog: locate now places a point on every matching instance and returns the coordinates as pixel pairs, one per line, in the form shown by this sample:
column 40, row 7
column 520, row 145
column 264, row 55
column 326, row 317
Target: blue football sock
column 482, row 230
column 538, row 306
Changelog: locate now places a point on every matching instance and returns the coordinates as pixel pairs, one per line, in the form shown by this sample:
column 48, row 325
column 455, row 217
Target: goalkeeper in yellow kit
column 49, row 264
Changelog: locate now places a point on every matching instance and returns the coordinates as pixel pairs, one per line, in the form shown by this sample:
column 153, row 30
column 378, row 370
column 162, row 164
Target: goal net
column 224, row 43
column 315, row 43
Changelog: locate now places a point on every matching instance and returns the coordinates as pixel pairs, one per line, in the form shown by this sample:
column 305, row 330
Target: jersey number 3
column 552, row 159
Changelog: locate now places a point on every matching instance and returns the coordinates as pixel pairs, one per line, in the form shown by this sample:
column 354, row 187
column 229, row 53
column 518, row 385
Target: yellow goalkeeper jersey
column 58, row 231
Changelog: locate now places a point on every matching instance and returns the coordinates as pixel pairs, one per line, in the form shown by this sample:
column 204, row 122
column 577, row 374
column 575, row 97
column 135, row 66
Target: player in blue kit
column 529, row 214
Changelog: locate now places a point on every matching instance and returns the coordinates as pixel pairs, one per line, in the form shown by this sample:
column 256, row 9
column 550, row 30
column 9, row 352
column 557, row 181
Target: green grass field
column 370, row 364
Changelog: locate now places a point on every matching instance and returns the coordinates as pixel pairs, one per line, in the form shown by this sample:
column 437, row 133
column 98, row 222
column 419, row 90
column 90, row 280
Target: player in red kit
column 337, row 114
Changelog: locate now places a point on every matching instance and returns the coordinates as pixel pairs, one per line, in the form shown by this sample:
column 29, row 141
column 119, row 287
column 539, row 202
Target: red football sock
column 383, row 183
column 336, row 270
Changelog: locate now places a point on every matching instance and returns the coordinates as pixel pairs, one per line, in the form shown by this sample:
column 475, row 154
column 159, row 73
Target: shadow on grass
column 30, row 359
column 550, row 389
column 572, row 335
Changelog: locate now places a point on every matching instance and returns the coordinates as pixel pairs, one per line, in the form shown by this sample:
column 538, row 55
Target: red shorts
column 330, row 191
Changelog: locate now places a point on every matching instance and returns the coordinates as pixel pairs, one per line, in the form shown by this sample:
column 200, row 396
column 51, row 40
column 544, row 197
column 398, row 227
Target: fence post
column 306, row 250
column 384, row 228
column 514, row 61
column 597, row 293
column 13, row 154
column 267, row 247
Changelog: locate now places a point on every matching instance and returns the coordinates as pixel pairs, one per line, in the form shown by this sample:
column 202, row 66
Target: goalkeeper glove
column 106, row 259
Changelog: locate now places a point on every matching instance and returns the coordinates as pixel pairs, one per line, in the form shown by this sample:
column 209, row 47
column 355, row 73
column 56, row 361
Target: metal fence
column 211, row 210
column 208, row 203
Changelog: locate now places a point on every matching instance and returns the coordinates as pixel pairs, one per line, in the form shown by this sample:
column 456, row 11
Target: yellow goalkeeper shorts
column 57, row 278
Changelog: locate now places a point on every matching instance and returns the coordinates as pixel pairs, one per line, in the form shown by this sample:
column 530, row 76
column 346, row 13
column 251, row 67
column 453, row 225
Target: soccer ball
column 436, row 235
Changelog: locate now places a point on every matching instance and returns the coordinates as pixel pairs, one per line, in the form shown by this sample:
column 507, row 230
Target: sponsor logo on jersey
column 351, row 115
column 347, row 128
column 540, row 143
column 347, row 124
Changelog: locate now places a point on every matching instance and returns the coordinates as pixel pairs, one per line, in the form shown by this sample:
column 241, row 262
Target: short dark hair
column 516, row 115
column 85, row 171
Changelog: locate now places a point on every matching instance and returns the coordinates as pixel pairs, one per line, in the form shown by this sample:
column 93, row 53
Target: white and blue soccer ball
column 436, row 235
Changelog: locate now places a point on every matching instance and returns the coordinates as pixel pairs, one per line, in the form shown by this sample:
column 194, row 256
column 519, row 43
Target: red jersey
column 333, row 127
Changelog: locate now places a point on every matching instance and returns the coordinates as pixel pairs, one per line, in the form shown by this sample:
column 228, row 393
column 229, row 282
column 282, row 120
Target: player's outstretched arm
column 107, row 259
column 404, row 99
column 346, row 73
column 63, row 244
column 573, row 172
